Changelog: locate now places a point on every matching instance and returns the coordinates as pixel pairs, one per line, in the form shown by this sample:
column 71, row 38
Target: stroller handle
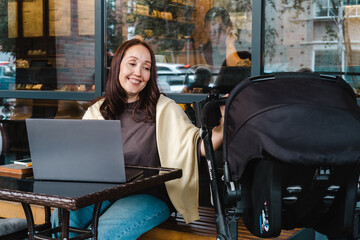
column 210, row 113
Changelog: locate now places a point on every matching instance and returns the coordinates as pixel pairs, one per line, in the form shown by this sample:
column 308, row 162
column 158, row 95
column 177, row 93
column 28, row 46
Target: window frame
column 257, row 67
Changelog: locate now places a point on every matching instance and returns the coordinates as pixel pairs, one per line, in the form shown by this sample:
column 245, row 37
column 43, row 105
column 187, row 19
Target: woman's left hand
column 222, row 111
column 231, row 37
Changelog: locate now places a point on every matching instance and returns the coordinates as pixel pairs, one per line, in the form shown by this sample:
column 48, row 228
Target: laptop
column 78, row 150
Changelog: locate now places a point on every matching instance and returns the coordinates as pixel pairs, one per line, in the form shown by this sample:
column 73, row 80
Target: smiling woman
column 133, row 61
column 155, row 132
column 135, row 71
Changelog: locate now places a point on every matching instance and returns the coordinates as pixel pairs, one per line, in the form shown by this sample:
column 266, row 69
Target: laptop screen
column 76, row 150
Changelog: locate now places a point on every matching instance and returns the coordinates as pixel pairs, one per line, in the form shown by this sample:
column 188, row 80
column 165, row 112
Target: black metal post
column 223, row 231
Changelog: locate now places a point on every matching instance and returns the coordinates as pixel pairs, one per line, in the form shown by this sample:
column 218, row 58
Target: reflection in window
column 49, row 45
column 326, row 8
column 327, row 61
column 7, row 77
column 328, row 43
column 20, row 109
column 182, row 39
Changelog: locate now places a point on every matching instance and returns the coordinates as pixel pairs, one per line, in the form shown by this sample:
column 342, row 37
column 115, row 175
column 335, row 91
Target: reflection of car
column 172, row 74
column 7, row 77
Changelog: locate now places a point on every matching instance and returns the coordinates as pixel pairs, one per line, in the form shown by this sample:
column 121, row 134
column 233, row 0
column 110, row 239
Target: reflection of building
column 320, row 36
column 166, row 25
column 56, row 40
column 338, row 26
column 174, row 28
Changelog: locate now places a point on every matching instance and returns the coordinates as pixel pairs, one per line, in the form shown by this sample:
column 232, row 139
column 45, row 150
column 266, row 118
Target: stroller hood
column 301, row 118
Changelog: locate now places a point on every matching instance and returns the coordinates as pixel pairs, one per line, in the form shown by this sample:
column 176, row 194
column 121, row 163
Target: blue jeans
column 127, row 218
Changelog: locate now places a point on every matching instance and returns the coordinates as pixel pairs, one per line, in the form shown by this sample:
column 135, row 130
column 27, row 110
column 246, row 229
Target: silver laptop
column 78, row 150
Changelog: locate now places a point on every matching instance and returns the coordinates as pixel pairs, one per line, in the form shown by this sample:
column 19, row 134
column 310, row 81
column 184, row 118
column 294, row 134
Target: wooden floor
column 174, row 229
column 203, row 229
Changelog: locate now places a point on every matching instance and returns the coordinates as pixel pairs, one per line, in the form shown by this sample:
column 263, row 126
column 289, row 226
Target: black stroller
column 291, row 156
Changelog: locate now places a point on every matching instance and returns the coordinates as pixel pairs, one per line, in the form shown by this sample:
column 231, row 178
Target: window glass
column 320, row 36
column 47, row 45
column 50, row 44
column 190, row 40
column 14, row 111
column 20, row 109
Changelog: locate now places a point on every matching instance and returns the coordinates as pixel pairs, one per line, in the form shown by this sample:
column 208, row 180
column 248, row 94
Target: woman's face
column 217, row 31
column 135, row 71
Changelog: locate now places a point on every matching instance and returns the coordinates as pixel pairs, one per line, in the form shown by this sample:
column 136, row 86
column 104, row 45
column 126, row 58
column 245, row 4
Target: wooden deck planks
column 203, row 229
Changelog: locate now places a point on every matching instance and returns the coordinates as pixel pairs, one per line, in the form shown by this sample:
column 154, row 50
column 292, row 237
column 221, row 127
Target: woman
column 221, row 48
column 155, row 132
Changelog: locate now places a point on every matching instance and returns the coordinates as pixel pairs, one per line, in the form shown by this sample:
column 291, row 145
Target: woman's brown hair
column 116, row 97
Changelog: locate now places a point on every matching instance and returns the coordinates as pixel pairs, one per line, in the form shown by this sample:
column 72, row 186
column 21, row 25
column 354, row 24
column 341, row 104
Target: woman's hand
column 217, row 132
column 231, row 37
column 232, row 58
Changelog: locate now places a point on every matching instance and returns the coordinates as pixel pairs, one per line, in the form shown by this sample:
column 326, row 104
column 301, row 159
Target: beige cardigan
column 176, row 140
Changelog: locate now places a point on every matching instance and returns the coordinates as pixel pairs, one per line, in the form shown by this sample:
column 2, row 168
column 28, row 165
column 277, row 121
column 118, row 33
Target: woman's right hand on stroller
column 216, row 123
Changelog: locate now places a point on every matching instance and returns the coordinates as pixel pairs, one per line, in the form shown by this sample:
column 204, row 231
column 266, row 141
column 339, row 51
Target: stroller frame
column 225, row 219
column 230, row 205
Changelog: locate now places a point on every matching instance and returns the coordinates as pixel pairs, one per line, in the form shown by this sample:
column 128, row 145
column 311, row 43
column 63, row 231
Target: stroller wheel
column 263, row 196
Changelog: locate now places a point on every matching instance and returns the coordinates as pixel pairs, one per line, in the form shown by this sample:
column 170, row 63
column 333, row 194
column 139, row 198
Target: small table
column 69, row 196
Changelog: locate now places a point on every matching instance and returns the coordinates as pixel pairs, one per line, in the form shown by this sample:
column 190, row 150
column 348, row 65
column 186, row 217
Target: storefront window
column 313, row 35
column 47, row 45
column 190, row 52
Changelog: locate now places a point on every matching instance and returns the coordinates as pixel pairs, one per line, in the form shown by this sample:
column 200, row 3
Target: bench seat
column 203, row 229
column 174, row 228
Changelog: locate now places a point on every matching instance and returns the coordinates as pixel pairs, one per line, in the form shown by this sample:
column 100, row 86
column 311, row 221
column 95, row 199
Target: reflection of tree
column 114, row 23
column 7, row 44
column 128, row 18
column 279, row 7
column 336, row 29
column 270, row 38
column 237, row 6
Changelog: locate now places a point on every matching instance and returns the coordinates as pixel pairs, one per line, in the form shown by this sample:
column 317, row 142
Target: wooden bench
column 14, row 210
column 203, row 229
column 174, row 228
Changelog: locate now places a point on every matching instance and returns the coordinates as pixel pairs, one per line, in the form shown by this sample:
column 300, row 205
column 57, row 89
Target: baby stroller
column 291, row 156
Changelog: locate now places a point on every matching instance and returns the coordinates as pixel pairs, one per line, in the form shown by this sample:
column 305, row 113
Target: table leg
column 95, row 220
column 47, row 224
column 29, row 220
column 47, row 214
column 64, row 215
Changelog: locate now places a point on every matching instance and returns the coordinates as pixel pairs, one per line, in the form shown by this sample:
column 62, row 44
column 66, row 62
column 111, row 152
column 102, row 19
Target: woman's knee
column 130, row 217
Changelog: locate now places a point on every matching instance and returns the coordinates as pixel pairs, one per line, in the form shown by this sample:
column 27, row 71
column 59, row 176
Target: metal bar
column 258, row 37
column 223, row 231
column 81, row 96
column 186, row 98
column 100, row 67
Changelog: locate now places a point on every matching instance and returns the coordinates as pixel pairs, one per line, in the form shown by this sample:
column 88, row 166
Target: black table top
column 75, row 195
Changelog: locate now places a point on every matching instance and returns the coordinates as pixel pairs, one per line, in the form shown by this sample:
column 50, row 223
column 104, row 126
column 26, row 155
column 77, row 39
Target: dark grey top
column 140, row 148
column 139, row 139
